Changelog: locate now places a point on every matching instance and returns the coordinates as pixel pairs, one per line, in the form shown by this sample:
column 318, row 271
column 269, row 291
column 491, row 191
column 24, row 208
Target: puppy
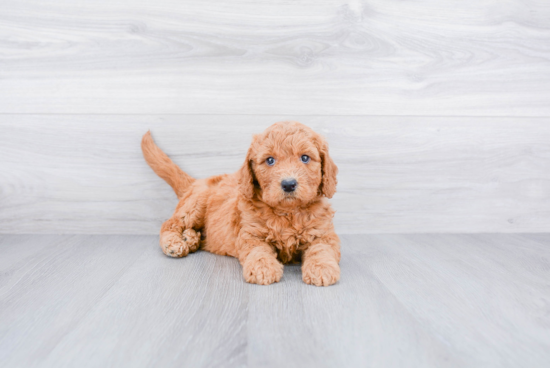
column 272, row 211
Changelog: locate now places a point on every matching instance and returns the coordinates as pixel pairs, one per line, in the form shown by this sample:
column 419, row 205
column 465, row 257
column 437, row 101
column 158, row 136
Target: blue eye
column 270, row 161
column 305, row 159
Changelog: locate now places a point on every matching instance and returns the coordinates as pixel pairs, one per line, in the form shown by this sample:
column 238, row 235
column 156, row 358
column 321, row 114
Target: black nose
column 289, row 185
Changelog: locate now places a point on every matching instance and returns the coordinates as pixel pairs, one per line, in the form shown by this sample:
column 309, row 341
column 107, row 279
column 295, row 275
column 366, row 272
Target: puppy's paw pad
column 173, row 245
column 264, row 271
column 320, row 274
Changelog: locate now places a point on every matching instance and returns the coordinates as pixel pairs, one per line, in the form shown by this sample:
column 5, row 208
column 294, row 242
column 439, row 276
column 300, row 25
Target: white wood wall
column 437, row 112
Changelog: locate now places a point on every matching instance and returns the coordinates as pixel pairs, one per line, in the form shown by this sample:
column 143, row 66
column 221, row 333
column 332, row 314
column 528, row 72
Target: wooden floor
column 403, row 300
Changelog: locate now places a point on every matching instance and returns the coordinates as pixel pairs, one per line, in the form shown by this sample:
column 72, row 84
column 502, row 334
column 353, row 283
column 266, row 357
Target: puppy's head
column 288, row 165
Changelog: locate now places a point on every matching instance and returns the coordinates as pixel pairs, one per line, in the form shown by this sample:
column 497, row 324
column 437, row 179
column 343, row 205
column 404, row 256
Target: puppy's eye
column 305, row 159
column 270, row 161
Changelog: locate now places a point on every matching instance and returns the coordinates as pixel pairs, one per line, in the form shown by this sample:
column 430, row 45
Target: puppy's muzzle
column 289, row 185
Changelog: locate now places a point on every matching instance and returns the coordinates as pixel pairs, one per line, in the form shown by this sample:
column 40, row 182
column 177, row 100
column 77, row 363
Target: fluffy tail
column 164, row 167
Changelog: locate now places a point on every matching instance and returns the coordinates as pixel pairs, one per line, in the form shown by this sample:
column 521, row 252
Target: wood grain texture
column 309, row 57
column 50, row 290
column 86, row 174
column 420, row 300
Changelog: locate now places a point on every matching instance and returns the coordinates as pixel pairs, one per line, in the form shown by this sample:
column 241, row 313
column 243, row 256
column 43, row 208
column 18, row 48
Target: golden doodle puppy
column 274, row 210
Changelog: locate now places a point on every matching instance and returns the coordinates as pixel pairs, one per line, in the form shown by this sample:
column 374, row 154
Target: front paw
column 178, row 245
column 320, row 272
column 262, row 270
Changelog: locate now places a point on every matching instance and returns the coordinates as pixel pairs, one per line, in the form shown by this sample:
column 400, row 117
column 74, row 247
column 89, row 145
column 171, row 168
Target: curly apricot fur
column 248, row 216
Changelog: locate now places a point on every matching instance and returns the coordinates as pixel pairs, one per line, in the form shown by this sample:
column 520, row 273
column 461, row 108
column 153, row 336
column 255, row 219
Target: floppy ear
column 328, row 169
column 246, row 176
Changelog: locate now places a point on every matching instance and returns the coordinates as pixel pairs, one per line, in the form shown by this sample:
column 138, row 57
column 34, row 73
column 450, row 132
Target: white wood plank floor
column 403, row 300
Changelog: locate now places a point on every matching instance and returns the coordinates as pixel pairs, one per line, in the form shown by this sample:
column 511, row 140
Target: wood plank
column 358, row 323
column 86, row 174
column 45, row 296
column 28, row 246
column 164, row 312
column 481, row 294
column 296, row 57
column 422, row 300
column 21, row 254
column 412, row 300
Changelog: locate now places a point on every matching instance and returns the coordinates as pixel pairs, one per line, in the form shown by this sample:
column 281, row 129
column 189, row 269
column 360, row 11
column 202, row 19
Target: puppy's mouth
column 290, row 198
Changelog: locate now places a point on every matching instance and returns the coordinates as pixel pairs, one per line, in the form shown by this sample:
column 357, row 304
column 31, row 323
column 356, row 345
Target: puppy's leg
column 178, row 235
column 320, row 262
column 176, row 240
column 260, row 264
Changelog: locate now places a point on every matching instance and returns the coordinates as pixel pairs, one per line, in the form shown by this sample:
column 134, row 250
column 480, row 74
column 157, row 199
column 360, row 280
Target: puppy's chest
column 290, row 235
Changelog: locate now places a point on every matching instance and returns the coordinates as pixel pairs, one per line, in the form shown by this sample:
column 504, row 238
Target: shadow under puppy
column 272, row 211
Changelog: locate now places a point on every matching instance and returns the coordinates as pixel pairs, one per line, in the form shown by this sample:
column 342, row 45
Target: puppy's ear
column 328, row 169
column 246, row 176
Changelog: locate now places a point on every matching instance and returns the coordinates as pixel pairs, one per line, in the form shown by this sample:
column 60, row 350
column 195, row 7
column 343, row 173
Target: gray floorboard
column 422, row 300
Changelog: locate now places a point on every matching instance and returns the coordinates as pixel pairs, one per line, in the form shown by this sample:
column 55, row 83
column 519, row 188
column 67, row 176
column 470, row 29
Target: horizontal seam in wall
column 288, row 115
